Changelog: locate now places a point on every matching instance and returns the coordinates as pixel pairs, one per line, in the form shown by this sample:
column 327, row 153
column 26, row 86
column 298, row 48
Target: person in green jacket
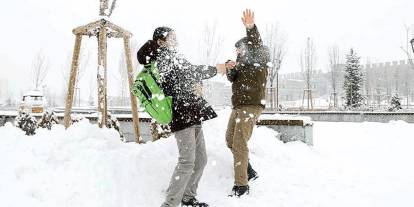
column 248, row 76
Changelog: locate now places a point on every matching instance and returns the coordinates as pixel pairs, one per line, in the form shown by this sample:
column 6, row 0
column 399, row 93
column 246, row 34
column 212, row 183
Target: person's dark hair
column 148, row 52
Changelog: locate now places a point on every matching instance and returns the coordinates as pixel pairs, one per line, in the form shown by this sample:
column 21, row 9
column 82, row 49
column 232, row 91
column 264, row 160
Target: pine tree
column 353, row 81
column 26, row 122
column 395, row 103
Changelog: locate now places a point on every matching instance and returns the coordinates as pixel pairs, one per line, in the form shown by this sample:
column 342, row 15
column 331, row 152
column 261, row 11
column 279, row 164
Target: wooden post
column 72, row 80
column 134, row 105
column 102, row 110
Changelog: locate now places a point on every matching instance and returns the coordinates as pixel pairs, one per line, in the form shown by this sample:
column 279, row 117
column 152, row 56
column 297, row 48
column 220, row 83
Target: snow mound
column 88, row 166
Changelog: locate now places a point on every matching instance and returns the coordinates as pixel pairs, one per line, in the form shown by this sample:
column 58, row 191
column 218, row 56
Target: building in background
column 381, row 82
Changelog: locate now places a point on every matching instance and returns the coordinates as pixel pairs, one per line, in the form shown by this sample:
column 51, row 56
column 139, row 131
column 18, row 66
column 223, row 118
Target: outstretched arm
column 251, row 29
column 206, row 72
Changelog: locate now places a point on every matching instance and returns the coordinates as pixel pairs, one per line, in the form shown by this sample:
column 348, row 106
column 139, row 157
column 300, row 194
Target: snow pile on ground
column 352, row 164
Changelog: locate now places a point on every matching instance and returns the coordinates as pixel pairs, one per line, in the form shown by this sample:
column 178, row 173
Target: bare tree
column 209, row 45
column 40, row 69
column 307, row 62
column 334, row 63
column 276, row 41
column 406, row 49
column 84, row 58
column 123, row 79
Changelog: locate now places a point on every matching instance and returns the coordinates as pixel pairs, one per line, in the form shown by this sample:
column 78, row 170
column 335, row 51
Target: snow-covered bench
column 290, row 127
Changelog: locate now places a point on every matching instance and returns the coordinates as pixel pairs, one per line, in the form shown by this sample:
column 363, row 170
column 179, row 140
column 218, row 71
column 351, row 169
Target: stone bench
column 290, row 128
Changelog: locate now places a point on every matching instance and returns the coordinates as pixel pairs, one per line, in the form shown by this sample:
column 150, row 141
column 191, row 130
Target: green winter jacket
column 250, row 74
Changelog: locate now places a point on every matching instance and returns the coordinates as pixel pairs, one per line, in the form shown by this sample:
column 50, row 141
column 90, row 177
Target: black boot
column 239, row 191
column 252, row 175
column 193, row 202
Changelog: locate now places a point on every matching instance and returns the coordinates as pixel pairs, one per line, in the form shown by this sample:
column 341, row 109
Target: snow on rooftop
column 33, row 93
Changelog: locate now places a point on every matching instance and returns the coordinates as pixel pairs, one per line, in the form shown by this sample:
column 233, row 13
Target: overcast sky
column 374, row 28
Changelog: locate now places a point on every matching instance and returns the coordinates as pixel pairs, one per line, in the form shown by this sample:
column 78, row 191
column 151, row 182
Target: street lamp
column 412, row 44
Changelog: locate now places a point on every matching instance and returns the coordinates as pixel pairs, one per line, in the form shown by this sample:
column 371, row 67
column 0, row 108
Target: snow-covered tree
column 353, row 81
column 395, row 103
column 48, row 120
column 26, row 122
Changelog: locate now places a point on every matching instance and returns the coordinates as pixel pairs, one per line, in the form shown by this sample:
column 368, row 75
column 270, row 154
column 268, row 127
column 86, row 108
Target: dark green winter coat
column 250, row 74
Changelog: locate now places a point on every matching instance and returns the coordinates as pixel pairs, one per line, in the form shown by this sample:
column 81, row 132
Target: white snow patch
column 351, row 164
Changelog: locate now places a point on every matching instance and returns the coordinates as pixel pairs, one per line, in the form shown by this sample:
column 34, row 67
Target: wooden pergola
column 102, row 29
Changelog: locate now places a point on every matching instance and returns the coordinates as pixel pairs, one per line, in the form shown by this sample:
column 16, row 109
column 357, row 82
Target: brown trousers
column 239, row 131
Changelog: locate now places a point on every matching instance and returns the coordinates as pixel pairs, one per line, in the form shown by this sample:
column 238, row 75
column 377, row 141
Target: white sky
column 374, row 28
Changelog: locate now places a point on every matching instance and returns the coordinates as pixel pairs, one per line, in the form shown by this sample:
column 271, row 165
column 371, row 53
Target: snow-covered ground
column 351, row 164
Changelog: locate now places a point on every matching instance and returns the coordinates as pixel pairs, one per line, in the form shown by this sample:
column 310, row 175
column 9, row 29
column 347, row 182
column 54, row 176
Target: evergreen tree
column 395, row 103
column 26, row 122
column 353, row 81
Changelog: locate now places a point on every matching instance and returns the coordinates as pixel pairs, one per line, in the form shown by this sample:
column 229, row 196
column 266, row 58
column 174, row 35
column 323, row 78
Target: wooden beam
column 101, row 77
column 118, row 29
column 134, row 105
column 72, row 80
column 85, row 28
column 91, row 28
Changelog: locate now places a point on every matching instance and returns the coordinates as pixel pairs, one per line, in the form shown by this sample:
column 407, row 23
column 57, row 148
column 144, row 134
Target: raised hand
column 248, row 18
column 221, row 69
column 230, row 65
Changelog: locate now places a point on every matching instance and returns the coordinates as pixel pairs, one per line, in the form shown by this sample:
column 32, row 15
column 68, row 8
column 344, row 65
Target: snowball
column 269, row 64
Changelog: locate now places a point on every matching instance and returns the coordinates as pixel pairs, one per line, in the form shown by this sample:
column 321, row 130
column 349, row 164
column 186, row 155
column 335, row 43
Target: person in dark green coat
column 248, row 76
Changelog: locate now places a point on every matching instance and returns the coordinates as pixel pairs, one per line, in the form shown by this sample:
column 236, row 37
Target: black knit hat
column 243, row 41
column 161, row 33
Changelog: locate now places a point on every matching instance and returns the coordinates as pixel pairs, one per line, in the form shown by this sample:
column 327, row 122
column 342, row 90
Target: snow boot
column 252, row 174
column 240, row 191
column 192, row 202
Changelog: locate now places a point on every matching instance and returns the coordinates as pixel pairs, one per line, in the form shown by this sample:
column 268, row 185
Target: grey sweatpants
column 191, row 162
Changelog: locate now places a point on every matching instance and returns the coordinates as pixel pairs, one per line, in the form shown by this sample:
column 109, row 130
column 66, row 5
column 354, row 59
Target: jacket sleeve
column 253, row 36
column 231, row 75
column 206, row 72
column 202, row 72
